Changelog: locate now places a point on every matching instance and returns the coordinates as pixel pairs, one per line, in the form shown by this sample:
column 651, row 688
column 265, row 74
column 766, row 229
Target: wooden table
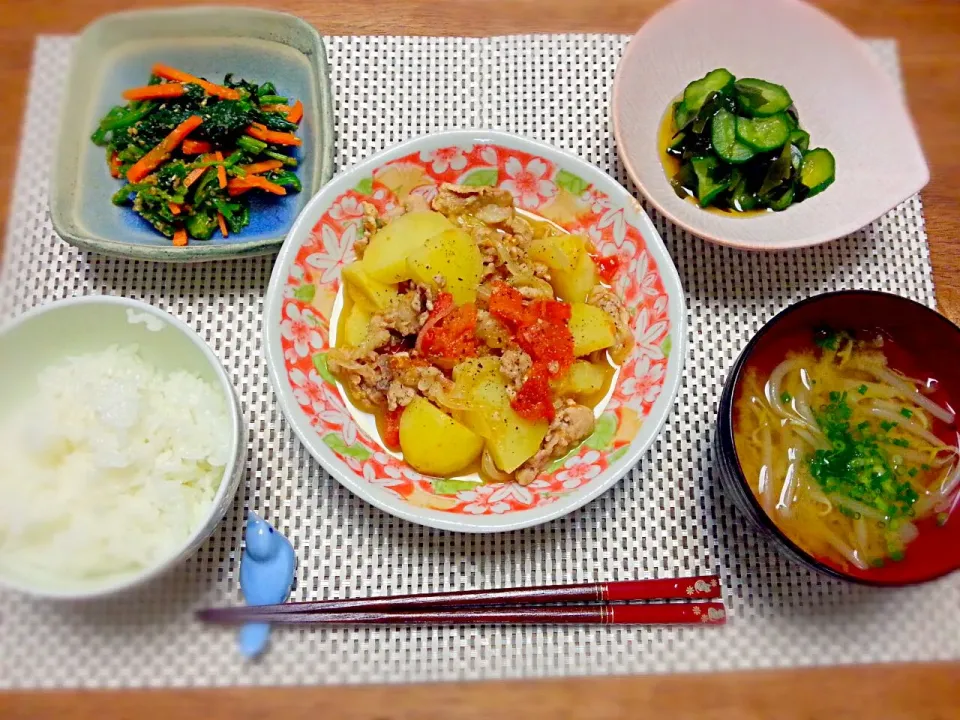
column 929, row 35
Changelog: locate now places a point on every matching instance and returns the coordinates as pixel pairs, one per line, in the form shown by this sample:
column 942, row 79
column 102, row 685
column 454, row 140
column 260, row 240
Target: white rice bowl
column 118, row 460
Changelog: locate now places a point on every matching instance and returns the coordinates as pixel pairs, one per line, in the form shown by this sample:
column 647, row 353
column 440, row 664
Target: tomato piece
column 540, row 328
column 391, row 428
column 507, row 305
column 607, row 267
column 533, row 400
column 552, row 311
column 550, row 344
column 454, row 336
column 441, row 305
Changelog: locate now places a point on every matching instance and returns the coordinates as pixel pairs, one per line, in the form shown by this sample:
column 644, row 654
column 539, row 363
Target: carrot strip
column 285, row 109
column 262, row 167
column 154, row 92
column 255, row 181
column 174, row 208
column 169, row 73
column 265, row 184
column 196, row 147
column 223, row 225
column 115, row 165
column 180, row 238
column 153, row 159
column 259, row 132
column 236, row 190
column 221, row 170
column 296, row 112
column 196, row 173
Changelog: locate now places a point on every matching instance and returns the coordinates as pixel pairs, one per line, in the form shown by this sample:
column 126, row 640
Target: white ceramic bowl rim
column 824, row 218
column 203, row 530
column 435, row 518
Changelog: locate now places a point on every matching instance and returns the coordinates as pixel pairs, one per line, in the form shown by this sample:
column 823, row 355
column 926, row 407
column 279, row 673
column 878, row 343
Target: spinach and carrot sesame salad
column 189, row 149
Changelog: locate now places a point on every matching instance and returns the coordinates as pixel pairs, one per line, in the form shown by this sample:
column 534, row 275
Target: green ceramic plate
column 116, row 52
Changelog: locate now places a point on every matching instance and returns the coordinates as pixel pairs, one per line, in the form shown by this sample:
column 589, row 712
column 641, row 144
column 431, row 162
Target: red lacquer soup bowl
column 918, row 342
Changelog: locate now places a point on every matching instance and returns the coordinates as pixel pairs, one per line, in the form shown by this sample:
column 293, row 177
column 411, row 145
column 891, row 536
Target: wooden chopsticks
column 600, row 603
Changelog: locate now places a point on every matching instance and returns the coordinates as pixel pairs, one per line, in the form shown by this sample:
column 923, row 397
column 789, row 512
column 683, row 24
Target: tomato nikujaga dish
column 482, row 338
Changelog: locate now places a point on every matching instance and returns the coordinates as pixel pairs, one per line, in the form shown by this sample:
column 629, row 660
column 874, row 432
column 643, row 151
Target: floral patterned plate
column 302, row 305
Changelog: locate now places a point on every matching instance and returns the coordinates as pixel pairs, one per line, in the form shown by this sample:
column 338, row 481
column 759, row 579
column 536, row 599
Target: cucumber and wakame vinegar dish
column 738, row 146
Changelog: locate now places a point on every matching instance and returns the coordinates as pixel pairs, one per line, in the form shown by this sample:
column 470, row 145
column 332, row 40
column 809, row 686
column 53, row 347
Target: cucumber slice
column 696, row 93
column 682, row 116
column 796, row 157
column 724, row 139
column 741, row 199
column 675, row 148
column 763, row 134
column 709, row 180
column 685, row 182
column 783, row 201
column 800, row 138
column 759, row 98
column 818, row 170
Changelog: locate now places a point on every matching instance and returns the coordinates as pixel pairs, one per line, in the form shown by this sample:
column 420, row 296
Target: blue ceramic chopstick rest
column 266, row 576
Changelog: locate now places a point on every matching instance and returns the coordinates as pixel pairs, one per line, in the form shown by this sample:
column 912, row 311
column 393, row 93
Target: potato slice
column 364, row 290
column 468, row 373
column 558, row 252
column 574, row 285
column 356, row 325
column 583, row 378
column 433, row 442
column 511, row 439
column 386, row 256
column 453, row 256
column 591, row 327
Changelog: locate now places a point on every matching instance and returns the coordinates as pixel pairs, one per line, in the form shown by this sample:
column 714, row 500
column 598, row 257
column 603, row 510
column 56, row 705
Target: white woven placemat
column 667, row 517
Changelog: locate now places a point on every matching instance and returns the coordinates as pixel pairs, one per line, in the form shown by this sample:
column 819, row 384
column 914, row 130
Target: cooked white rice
column 109, row 467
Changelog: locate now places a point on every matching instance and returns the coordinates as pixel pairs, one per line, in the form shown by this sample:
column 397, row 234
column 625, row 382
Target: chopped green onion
column 906, row 413
column 862, row 389
column 786, row 397
column 825, row 338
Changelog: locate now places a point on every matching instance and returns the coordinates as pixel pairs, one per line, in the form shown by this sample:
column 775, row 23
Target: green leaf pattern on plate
column 305, row 293
column 336, row 443
column 451, row 486
column 320, row 364
column 603, row 433
column 365, row 186
column 573, row 184
column 481, row 178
